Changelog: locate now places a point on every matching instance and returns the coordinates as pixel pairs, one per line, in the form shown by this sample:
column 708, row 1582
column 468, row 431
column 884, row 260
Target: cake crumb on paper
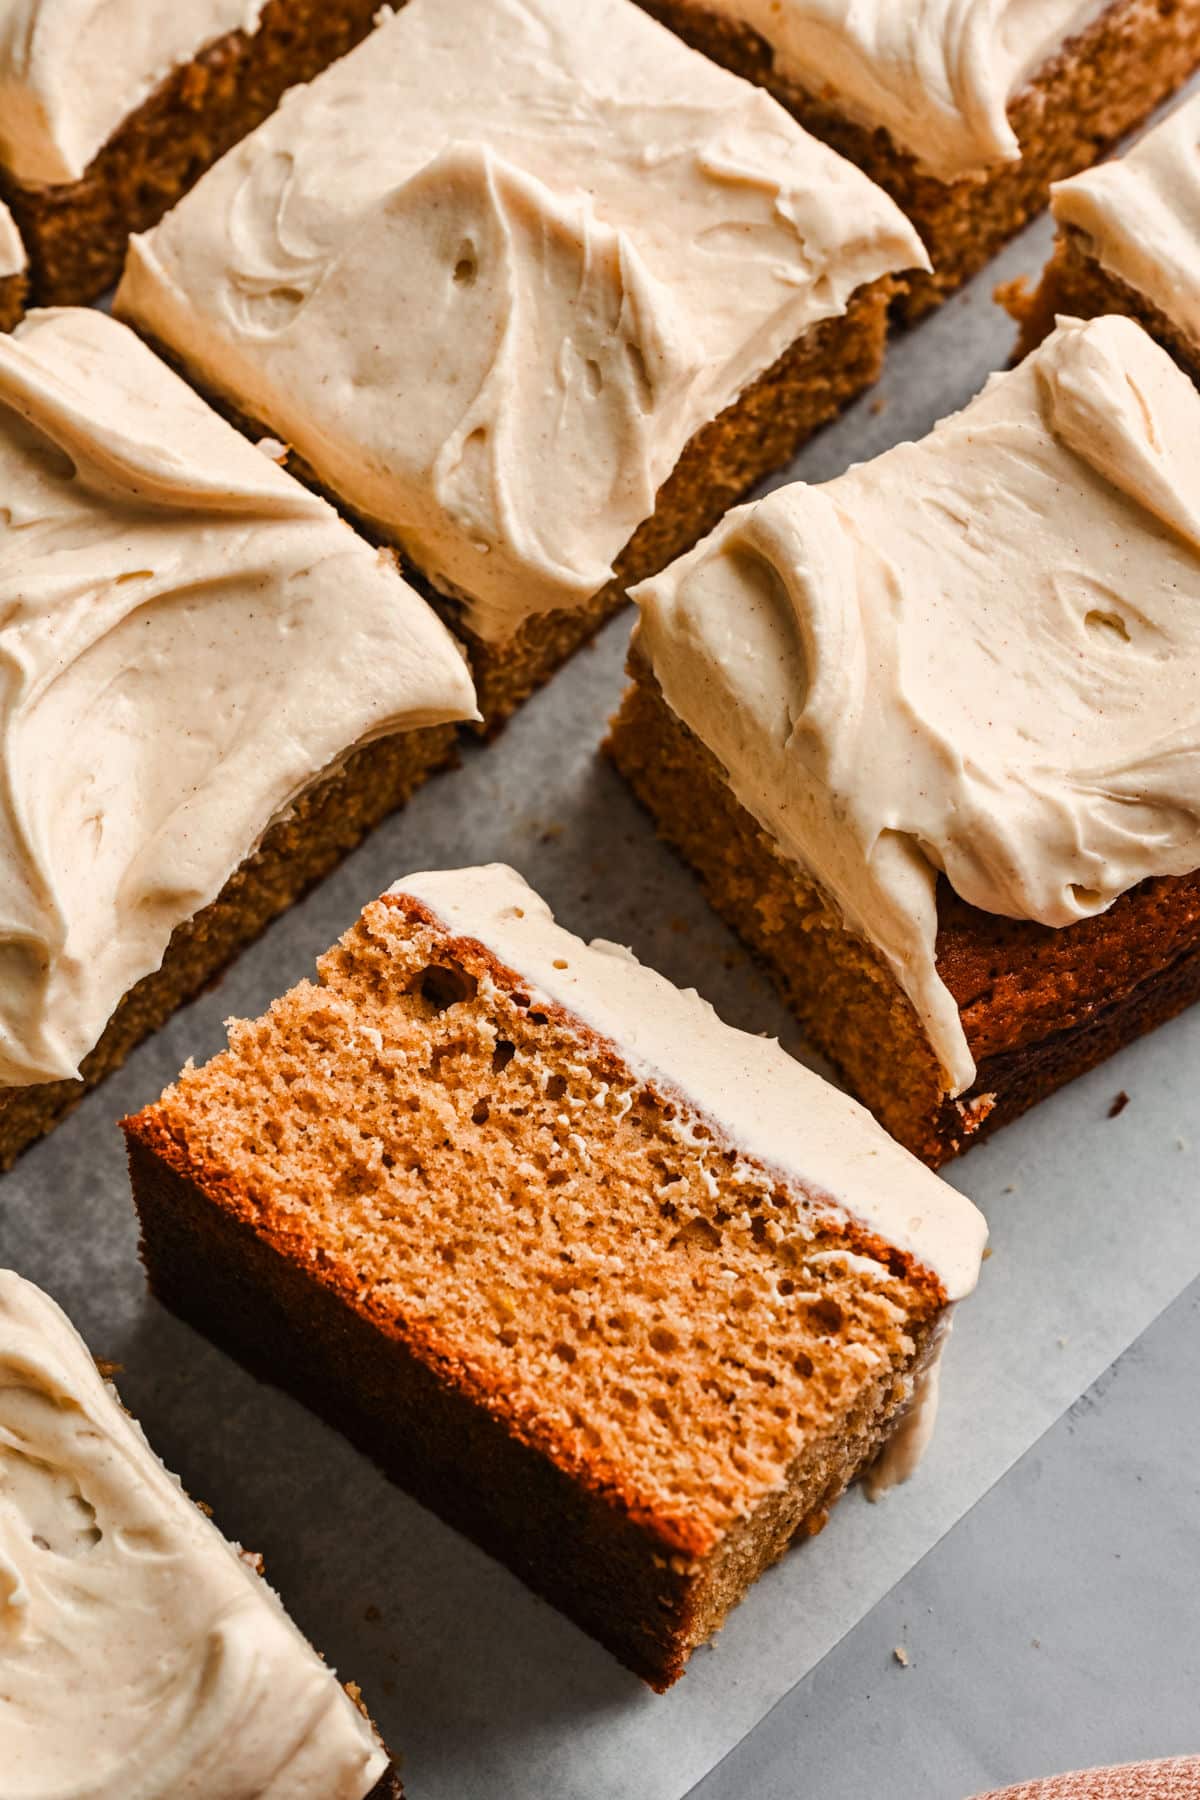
column 901, row 1656
column 1120, row 1102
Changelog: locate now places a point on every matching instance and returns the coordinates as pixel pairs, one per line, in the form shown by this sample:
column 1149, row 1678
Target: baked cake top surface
column 188, row 638
column 491, row 271
column 72, row 71
column 12, row 250
column 142, row 1653
column 766, row 1104
column 938, row 74
column 1141, row 213
column 978, row 654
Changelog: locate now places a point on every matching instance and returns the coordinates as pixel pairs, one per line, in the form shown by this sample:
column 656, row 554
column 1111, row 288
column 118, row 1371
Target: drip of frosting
column 1141, row 215
column 977, row 655
column 141, row 1653
column 72, row 71
column 937, row 74
column 767, row 1104
column 188, row 639
column 491, row 271
column 12, row 250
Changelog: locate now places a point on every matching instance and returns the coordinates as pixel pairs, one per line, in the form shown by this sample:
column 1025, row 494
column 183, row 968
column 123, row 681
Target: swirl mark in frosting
column 938, row 74
column 493, row 331
column 976, row 656
column 142, row 1654
column 188, row 640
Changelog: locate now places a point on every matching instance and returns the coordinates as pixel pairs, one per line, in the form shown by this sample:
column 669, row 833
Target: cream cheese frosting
column 491, row 271
column 12, row 250
column 188, row 639
column 937, row 74
column 1141, row 216
column 977, row 655
column 72, row 71
column 141, row 1653
column 767, row 1104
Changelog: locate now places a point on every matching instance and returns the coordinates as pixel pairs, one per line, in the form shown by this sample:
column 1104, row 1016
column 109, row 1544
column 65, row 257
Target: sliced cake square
column 143, row 1653
column 210, row 688
column 110, row 110
column 534, row 292
column 965, row 113
column 930, row 735
column 626, row 1294
column 1128, row 242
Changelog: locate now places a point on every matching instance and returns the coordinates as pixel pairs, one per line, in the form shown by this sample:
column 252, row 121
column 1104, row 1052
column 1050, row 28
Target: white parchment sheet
column 485, row 1692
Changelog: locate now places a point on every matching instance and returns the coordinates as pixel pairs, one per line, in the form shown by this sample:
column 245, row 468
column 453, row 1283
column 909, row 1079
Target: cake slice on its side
column 627, row 1295
column 13, row 271
column 965, row 114
column 111, row 109
column 535, row 293
column 930, row 736
column 142, row 1651
column 210, row 689
column 1128, row 242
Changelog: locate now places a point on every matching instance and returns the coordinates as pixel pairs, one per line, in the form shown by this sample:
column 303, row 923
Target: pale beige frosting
column 766, row 1104
column 12, row 250
column 1141, row 215
column 978, row 654
column 141, row 1654
column 72, row 71
column 188, row 639
column 490, row 272
column 937, row 74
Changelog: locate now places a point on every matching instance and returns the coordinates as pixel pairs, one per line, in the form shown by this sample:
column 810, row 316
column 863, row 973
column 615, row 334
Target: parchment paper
column 485, row 1692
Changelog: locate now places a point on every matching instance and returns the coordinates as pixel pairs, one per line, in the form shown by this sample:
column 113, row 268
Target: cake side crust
column 76, row 232
column 13, row 291
column 1104, row 82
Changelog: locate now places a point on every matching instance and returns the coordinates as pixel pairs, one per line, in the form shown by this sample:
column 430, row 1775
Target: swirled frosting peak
column 978, row 655
column 188, row 639
column 141, row 1654
column 490, row 272
column 938, row 74
column 72, row 71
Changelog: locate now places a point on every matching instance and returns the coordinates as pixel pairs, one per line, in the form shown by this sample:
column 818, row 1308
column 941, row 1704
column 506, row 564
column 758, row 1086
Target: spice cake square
column 12, row 271
column 930, row 735
column 964, row 112
column 143, row 1653
column 110, row 110
column 210, row 688
column 1128, row 242
column 536, row 293
column 627, row 1295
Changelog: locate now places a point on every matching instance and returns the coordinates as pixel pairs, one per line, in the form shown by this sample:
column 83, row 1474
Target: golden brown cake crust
column 324, row 825
column 438, row 1388
column 1104, row 82
column 1038, row 1006
column 1074, row 284
column 76, row 232
column 12, row 300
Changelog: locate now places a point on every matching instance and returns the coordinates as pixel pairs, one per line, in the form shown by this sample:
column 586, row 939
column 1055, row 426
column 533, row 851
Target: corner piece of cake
column 110, row 109
column 626, row 1294
column 143, row 1653
column 536, row 293
column 13, row 271
column 930, row 735
column 210, row 689
column 965, row 111
column 1128, row 242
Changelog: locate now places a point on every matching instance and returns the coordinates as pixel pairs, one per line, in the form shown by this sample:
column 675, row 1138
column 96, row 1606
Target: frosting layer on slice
column 72, row 71
column 938, row 74
column 12, row 250
column 1141, row 214
column 765, row 1103
column 142, row 1654
column 491, row 271
column 978, row 655
column 188, row 639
